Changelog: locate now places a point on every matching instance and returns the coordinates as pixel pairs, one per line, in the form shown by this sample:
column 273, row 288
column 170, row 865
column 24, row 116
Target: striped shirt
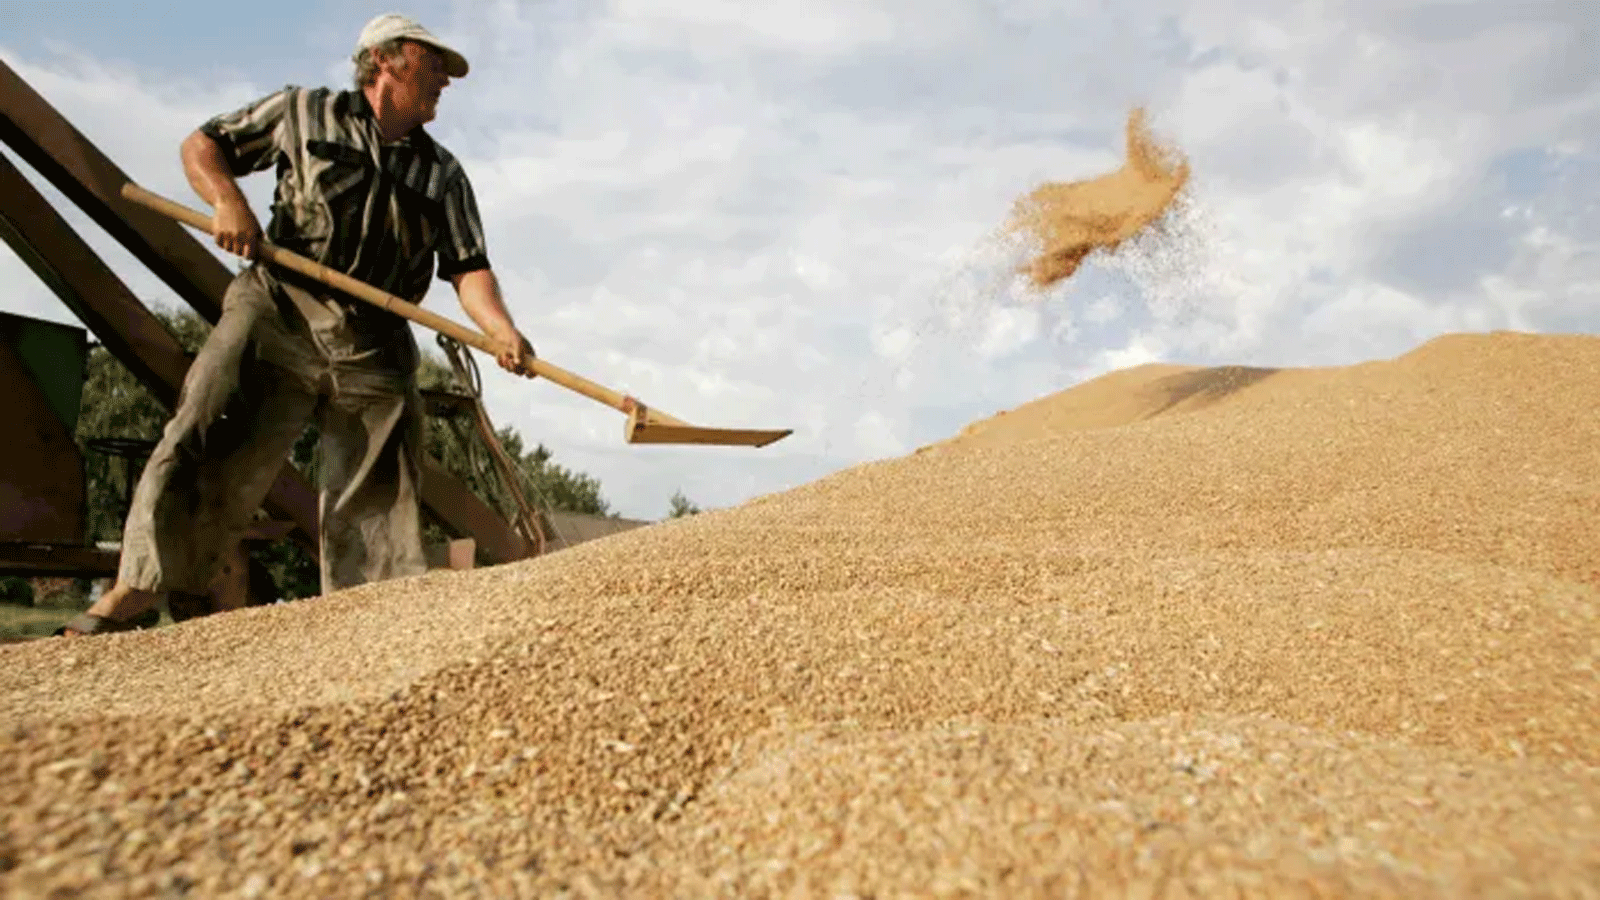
column 378, row 212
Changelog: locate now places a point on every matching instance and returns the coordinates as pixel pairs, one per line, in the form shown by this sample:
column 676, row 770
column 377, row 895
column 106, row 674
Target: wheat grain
column 1303, row 633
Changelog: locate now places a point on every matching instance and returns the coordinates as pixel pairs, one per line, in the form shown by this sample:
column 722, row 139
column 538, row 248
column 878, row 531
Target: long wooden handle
column 363, row 291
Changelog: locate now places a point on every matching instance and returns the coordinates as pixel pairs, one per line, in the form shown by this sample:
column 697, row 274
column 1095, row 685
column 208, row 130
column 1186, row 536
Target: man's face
column 417, row 79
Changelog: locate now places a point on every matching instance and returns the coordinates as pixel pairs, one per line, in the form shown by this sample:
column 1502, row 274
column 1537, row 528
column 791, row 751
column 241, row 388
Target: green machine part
column 56, row 356
column 43, row 491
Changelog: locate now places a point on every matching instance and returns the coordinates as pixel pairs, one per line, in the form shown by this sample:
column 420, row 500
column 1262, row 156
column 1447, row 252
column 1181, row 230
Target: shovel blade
column 663, row 433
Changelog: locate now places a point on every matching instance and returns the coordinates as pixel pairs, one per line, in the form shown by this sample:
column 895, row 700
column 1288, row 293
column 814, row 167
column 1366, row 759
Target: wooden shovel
column 644, row 425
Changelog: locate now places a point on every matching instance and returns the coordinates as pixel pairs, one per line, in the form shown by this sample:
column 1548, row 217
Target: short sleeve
column 463, row 248
column 250, row 136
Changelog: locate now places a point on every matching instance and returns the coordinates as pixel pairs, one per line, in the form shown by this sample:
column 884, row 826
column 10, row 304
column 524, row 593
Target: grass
column 19, row 623
column 26, row 623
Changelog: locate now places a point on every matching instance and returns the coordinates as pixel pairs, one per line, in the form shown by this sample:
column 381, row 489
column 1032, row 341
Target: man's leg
column 371, row 512
column 218, row 456
column 190, row 522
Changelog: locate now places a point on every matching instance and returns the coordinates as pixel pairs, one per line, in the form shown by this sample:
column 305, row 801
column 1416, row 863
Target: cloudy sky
column 764, row 214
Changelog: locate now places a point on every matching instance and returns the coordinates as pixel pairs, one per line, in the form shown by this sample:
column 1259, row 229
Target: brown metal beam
column 72, row 163
column 29, row 560
column 460, row 509
column 100, row 300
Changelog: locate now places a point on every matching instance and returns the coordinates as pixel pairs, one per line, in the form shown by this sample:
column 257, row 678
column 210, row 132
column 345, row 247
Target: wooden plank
column 460, row 509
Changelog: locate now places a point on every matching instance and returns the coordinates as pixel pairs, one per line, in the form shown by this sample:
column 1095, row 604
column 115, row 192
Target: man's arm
column 479, row 293
column 464, row 262
column 234, row 225
column 226, row 147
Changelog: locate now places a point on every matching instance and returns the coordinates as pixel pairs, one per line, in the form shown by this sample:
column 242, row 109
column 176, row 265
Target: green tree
column 681, row 506
column 457, row 441
column 16, row 591
column 116, row 405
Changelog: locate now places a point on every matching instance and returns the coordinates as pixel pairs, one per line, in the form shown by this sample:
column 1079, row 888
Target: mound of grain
column 1067, row 221
column 1289, row 633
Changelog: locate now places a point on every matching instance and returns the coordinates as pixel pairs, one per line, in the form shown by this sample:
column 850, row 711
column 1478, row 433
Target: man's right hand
column 236, row 228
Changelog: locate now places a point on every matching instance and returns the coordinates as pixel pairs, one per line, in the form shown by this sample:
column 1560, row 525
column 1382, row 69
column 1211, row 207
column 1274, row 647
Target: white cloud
column 817, row 27
column 1137, row 353
column 876, row 435
column 754, row 215
column 1008, row 330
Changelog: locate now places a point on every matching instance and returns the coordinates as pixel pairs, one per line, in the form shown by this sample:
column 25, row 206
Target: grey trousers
column 284, row 354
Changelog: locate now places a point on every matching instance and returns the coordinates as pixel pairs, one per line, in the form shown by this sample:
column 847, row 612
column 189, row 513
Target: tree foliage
column 681, row 506
column 116, row 405
column 16, row 591
column 457, row 441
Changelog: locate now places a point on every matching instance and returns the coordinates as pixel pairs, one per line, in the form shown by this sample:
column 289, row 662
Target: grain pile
column 1175, row 632
column 1066, row 221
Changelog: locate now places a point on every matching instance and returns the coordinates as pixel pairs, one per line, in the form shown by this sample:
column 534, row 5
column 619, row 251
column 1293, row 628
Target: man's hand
column 515, row 354
column 233, row 224
column 479, row 291
column 236, row 228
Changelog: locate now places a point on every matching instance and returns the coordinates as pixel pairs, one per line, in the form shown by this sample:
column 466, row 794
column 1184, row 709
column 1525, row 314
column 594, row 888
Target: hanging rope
column 527, row 521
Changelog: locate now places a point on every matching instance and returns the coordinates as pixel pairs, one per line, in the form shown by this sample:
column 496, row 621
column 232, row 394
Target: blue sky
column 753, row 213
column 286, row 40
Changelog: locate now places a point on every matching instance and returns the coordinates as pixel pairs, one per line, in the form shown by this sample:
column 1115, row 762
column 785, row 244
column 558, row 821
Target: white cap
column 390, row 26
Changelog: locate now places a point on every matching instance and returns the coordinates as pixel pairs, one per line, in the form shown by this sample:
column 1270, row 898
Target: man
column 363, row 189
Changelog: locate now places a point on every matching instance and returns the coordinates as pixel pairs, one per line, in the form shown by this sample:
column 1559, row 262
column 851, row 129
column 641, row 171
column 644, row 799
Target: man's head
column 406, row 63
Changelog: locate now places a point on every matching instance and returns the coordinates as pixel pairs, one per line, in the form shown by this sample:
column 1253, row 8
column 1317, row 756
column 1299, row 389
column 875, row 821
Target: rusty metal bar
column 70, row 268
column 77, row 168
column 29, row 560
column 72, row 163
